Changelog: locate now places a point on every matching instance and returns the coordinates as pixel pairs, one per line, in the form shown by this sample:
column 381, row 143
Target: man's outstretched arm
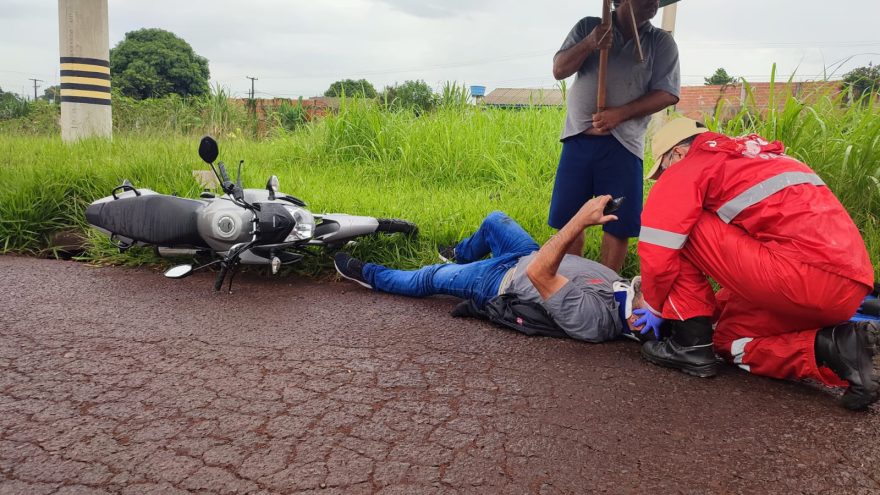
column 542, row 271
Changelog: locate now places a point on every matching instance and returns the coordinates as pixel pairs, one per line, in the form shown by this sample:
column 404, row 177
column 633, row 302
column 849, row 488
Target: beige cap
column 672, row 133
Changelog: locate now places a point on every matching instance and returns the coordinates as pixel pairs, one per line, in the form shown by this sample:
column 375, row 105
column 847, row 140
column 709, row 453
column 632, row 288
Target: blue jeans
column 471, row 277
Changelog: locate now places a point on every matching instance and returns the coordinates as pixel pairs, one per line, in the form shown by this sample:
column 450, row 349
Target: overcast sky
column 298, row 47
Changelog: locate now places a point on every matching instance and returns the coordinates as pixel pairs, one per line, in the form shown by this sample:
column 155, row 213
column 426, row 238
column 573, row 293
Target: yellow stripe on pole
column 86, row 94
column 85, row 80
column 86, row 67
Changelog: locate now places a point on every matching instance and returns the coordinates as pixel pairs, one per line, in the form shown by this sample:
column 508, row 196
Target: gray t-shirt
column 627, row 80
column 584, row 307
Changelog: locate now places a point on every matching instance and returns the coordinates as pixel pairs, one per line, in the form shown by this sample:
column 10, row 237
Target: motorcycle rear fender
column 339, row 227
column 125, row 194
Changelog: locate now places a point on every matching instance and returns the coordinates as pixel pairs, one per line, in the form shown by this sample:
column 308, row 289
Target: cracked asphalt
column 117, row 380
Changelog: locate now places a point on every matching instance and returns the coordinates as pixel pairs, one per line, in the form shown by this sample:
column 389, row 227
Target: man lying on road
column 585, row 300
column 791, row 263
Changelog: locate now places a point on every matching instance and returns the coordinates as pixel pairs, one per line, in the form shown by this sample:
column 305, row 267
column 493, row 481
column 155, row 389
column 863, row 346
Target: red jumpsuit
column 765, row 227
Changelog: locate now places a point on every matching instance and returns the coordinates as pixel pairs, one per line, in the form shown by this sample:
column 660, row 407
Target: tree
column 720, row 77
column 863, row 80
column 413, row 95
column 12, row 105
column 151, row 63
column 52, row 94
column 351, row 88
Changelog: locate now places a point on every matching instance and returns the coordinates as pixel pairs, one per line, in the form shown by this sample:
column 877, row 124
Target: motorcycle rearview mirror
column 272, row 186
column 179, row 271
column 208, row 149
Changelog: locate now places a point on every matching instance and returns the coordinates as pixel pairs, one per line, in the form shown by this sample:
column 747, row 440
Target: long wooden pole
column 603, row 59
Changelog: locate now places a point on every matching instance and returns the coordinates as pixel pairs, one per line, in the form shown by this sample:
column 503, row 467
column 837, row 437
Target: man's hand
column 569, row 61
column 543, row 270
column 591, row 213
column 608, row 119
column 600, row 37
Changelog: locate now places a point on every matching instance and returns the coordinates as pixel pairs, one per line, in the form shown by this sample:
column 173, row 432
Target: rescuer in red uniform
column 791, row 263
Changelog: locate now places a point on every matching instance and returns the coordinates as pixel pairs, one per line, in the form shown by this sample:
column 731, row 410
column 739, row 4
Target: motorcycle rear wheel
column 397, row 226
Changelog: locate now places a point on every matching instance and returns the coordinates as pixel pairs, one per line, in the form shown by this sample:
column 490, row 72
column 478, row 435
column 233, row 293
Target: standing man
column 602, row 150
column 791, row 263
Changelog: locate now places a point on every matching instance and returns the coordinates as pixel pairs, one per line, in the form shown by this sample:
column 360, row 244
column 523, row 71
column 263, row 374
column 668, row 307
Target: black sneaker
column 350, row 268
column 446, row 253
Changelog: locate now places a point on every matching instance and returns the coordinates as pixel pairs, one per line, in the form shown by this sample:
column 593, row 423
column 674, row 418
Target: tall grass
column 214, row 113
column 444, row 170
column 839, row 140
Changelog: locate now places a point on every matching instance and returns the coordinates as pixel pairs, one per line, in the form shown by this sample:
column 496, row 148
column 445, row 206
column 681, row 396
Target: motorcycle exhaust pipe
column 167, row 252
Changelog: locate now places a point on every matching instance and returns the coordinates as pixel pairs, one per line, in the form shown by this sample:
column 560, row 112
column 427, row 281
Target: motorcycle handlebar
column 223, row 175
column 228, row 186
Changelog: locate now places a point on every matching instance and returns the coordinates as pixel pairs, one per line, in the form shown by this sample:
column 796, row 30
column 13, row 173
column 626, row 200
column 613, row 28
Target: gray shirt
column 584, row 307
column 627, row 80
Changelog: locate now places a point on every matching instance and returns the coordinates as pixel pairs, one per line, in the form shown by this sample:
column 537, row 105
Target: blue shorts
column 592, row 166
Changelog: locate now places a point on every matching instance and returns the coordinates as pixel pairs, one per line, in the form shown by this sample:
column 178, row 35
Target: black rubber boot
column 848, row 350
column 689, row 348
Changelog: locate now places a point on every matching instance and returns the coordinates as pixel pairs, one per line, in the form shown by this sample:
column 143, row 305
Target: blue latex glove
column 649, row 320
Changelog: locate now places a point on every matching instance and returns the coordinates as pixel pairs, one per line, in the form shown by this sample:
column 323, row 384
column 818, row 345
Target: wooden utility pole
column 35, row 86
column 252, row 84
column 252, row 101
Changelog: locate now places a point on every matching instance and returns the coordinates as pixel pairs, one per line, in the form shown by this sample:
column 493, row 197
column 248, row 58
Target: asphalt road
column 116, row 380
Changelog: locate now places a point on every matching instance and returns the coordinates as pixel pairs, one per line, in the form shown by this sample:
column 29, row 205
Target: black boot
column 689, row 348
column 848, row 350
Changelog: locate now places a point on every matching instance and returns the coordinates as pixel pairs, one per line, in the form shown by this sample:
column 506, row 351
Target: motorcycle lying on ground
column 241, row 226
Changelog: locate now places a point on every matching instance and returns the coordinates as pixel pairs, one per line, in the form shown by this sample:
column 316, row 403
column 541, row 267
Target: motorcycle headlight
column 304, row 226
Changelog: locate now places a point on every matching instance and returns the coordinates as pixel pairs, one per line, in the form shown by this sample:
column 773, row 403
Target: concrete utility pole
column 84, row 37
column 668, row 23
column 35, row 86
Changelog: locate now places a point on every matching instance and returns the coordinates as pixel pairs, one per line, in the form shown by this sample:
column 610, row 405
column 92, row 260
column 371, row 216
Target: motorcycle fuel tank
column 224, row 224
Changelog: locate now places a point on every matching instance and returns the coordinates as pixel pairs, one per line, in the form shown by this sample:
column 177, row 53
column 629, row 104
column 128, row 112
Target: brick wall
column 695, row 101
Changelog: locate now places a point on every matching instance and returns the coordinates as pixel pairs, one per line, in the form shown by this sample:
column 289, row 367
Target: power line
column 773, row 44
column 506, row 58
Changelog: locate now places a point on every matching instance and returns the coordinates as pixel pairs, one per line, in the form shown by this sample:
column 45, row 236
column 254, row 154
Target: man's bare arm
column 569, row 61
column 542, row 271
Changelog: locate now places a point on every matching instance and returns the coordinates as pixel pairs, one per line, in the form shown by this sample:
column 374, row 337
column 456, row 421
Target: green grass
column 444, row 170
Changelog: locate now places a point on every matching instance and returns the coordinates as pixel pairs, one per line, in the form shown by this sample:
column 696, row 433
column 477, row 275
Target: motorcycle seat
column 152, row 219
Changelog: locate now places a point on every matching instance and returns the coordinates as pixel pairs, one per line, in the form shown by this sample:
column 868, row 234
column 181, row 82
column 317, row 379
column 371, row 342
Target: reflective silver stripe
column 763, row 190
column 738, row 350
column 672, row 303
column 663, row 238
